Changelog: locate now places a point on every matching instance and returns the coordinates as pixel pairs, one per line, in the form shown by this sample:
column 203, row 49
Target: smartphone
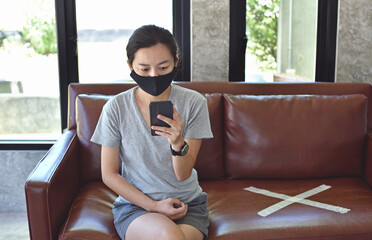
column 164, row 108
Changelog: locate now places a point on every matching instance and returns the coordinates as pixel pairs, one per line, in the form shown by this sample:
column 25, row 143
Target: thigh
column 197, row 215
column 190, row 232
column 153, row 226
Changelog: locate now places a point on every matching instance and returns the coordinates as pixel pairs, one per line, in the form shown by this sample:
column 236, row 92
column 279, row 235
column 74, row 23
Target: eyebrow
column 146, row 65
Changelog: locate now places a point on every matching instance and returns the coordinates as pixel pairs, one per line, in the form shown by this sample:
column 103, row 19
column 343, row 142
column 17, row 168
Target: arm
column 110, row 158
column 111, row 177
column 182, row 165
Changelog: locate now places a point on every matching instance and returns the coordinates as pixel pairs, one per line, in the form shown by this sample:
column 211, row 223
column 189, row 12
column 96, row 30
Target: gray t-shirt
column 147, row 160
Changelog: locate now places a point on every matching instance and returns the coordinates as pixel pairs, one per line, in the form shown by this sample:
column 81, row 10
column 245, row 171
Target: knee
column 172, row 233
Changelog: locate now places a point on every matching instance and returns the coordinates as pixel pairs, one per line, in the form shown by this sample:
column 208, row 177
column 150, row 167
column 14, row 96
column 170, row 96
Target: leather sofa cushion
column 90, row 216
column 233, row 212
column 294, row 136
column 209, row 164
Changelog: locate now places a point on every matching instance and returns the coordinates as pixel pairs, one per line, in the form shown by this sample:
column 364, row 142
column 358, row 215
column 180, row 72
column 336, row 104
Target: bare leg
column 154, row 226
column 191, row 232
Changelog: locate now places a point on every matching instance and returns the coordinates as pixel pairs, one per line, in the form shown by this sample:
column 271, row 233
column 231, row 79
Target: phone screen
column 164, row 108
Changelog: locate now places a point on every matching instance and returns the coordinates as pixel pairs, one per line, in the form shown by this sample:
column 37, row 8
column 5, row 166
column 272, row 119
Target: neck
column 146, row 98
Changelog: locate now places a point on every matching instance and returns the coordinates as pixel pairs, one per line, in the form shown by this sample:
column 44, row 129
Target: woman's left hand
column 172, row 133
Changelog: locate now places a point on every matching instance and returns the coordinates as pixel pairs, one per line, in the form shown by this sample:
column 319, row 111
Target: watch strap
column 181, row 152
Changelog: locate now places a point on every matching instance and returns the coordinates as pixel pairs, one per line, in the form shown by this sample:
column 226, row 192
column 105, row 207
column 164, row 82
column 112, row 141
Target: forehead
column 153, row 55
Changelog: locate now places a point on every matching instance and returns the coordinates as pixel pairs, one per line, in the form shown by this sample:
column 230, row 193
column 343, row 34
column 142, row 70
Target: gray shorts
column 196, row 216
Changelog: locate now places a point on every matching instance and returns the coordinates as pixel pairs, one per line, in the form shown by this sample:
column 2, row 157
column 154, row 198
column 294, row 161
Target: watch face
column 185, row 149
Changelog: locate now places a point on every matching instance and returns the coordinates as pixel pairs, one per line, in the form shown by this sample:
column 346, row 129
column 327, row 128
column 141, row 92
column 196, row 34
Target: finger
column 165, row 119
column 176, row 211
column 178, row 204
column 178, row 215
column 177, row 118
column 176, row 113
column 181, row 212
column 180, row 207
column 163, row 131
column 177, row 201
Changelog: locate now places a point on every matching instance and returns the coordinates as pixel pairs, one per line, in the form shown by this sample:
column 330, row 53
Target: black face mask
column 154, row 85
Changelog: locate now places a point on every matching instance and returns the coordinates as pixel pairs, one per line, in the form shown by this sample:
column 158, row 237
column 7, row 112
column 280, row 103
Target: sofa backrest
column 294, row 136
column 227, row 87
column 84, row 111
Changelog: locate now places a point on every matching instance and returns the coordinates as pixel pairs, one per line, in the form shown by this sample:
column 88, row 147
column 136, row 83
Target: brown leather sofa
column 287, row 161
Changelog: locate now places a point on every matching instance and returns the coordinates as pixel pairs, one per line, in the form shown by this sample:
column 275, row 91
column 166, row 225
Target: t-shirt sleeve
column 107, row 131
column 198, row 123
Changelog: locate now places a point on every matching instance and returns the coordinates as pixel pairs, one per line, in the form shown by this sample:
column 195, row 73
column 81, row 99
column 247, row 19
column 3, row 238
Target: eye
column 144, row 69
column 164, row 68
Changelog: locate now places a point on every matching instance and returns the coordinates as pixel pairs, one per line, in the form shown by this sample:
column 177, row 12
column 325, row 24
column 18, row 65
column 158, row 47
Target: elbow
column 106, row 179
column 183, row 177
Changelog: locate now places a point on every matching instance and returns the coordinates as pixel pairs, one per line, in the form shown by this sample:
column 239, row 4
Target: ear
column 176, row 63
column 129, row 65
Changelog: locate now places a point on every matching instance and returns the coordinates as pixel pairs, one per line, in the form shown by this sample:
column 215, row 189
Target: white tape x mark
column 300, row 198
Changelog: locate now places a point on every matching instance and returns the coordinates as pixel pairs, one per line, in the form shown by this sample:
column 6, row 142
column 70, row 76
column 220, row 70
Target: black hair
column 148, row 36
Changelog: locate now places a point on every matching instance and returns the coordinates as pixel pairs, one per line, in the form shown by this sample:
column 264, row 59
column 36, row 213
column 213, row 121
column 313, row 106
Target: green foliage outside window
column 41, row 35
column 262, row 25
column 2, row 38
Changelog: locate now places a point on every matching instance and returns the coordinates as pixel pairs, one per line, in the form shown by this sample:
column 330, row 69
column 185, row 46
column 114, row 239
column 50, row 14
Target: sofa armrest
column 51, row 188
column 368, row 162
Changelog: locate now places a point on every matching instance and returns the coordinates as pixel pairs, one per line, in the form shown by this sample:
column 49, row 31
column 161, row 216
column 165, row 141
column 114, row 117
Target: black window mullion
column 181, row 31
column 326, row 41
column 238, row 40
column 67, row 51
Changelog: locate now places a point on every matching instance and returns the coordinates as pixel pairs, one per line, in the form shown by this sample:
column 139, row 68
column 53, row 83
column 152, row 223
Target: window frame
column 326, row 40
column 67, row 52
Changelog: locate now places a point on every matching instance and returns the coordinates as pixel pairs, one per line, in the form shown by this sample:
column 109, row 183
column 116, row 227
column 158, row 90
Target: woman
column 159, row 194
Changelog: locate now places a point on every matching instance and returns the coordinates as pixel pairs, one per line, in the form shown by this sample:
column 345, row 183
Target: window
column 29, row 84
column 284, row 40
column 104, row 29
column 281, row 40
column 47, row 72
column 68, row 41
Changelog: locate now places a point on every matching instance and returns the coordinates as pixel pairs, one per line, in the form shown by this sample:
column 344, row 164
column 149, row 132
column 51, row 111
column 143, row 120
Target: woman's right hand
column 172, row 208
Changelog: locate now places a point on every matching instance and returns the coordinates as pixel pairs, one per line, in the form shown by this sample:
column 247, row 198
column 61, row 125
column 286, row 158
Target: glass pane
column 104, row 28
column 281, row 40
column 29, row 81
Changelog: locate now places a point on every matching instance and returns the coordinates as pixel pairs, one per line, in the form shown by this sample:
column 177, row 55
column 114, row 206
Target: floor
column 13, row 226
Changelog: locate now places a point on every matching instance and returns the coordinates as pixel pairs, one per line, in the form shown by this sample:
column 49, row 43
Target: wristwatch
column 182, row 152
